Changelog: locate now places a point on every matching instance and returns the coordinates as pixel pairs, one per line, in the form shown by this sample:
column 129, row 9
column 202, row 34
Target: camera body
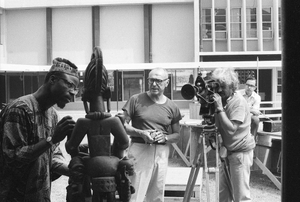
column 203, row 90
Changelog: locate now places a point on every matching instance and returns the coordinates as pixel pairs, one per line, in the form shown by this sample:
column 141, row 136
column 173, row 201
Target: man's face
column 64, row 89
column 250, row 86
column 157, row 82
column 225, row 91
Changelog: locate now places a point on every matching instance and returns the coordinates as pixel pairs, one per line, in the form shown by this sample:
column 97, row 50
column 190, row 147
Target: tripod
column 207, row 133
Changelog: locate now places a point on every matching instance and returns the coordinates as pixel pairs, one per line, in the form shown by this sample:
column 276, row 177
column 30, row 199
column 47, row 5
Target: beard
column 61, row 104
column 63, row 100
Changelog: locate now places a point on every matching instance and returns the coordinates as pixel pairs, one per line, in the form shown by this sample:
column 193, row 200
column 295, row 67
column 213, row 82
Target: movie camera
column 203, row 90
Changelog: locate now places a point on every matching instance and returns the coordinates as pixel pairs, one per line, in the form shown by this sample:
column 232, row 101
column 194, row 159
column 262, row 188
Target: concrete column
column 259, row 25
column 197, row 30
column 244, row 25
column 148, row 33
column 276, row 26
column 96, row 25
column 49, row 35
column 213, row 30
column 228, row 23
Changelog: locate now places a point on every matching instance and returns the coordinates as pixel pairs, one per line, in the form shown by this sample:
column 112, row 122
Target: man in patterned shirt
column 30, row 134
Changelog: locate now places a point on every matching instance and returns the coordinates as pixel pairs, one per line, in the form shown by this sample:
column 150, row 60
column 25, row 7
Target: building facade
column 183, row 36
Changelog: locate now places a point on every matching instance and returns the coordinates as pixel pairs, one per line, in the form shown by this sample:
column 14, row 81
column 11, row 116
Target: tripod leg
column 194, row 172
column 206, row 170
column 189, row 185
column 217, row 167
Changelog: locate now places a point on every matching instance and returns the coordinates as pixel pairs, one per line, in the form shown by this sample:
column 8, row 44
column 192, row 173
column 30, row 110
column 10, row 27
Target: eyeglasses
column 157, row 81
column 72, row 87
column 250, row 86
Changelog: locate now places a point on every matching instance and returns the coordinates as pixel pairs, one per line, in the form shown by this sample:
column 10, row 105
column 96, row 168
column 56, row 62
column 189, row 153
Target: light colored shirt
column 237, row 110
column 253, row 100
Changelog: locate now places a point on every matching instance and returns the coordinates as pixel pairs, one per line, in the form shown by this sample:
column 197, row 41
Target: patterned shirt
column 23, row 176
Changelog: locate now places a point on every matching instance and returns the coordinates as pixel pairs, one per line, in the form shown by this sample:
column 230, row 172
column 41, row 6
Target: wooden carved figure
column 102, row 170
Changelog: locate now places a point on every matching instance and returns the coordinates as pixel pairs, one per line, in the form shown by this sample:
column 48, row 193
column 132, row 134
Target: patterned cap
column 65, row 66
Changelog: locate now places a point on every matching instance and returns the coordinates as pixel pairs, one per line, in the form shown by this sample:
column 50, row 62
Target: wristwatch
column 166, row 139
column 49, row 140
column 219, row 111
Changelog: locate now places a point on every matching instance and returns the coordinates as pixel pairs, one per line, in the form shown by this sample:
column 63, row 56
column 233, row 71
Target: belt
column 142, row 141
column 138, row 140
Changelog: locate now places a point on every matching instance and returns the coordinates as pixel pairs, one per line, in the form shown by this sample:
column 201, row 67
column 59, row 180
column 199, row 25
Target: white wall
column 122, row 34
column 173, row 33
column 72, row 34
column 26, row 36
column 1, row 3
column 9, row 4
column 2, row 36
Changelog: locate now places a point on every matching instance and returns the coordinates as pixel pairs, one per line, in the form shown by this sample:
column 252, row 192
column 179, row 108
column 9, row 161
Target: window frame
column 239, row 23
column 279, row 23
column 267, row 34
column 250, row 22
column 206, row 24
column 279, row 81
column 220, row 24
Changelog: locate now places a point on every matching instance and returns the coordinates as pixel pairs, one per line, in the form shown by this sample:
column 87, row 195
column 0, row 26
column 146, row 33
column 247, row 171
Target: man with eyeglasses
column 253, row 100
column 154, row 125
column 30, row 133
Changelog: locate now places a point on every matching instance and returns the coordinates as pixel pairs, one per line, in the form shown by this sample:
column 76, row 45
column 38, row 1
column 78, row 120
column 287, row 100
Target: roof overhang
column 142, row 66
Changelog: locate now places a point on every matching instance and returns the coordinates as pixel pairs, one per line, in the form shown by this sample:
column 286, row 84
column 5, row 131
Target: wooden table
column 176, row 182
column 189, row 152
column 265, row 141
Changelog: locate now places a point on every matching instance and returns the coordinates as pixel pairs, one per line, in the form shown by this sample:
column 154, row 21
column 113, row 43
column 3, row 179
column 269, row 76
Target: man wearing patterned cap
column 30, row 134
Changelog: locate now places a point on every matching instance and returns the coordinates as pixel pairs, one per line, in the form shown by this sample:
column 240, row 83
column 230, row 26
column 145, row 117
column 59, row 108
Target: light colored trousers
column 239, row 168
column 151, row 164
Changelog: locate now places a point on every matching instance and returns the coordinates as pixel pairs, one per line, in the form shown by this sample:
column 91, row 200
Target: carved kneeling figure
column 104, row 168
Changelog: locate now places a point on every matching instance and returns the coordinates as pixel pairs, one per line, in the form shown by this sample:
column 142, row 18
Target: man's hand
column 255, row 112
column 63, row 128
column 218, row 101
column 146, row 135
column 160, row 137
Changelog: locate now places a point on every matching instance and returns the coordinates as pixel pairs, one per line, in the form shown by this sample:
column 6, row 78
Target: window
column 235, row 23
column 251, row 23
column 267, row 23
column 220, row 23
column 206, row 24
column 243, row 74
column 180, row 77
column 279, row 21
column 133, row 83
column 279, row 81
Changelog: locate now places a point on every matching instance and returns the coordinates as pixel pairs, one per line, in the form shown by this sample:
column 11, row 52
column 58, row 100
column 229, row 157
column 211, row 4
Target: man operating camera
column 233, row 119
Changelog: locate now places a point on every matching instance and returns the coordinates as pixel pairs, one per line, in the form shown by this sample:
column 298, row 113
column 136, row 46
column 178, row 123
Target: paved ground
column 262, row 189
